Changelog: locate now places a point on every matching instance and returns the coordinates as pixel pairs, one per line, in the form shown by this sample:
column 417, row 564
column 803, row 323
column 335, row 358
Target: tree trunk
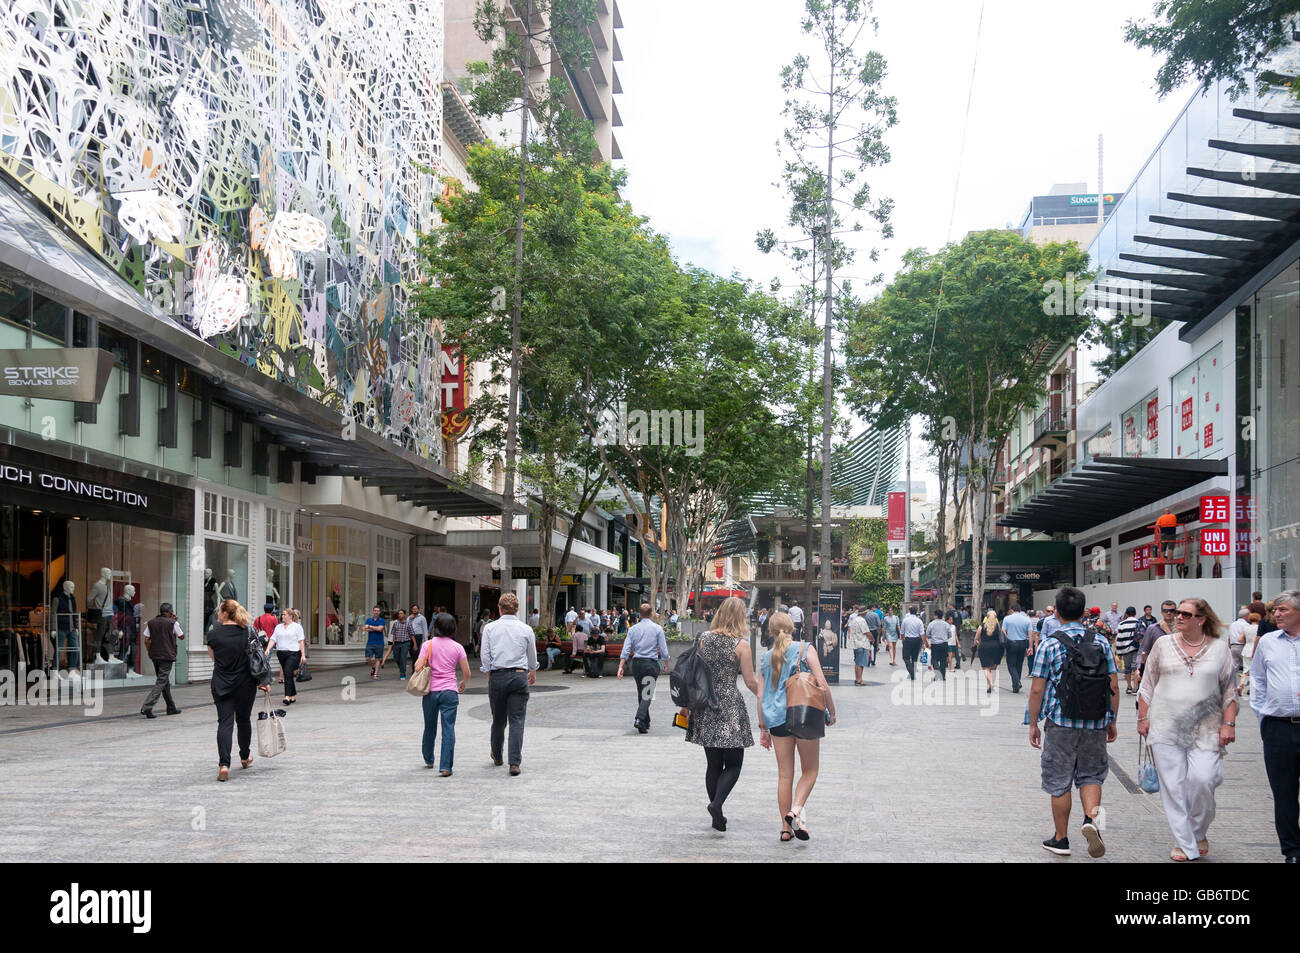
column 516, row 320
column 829, row 250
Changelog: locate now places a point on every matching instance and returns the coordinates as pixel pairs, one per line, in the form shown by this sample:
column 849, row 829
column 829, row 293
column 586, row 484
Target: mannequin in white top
column 272, row 593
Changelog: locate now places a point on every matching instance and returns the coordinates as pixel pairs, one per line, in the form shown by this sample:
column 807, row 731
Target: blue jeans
column 551, row 655
column 400, row 651
column 442, row 704
column 72, row 642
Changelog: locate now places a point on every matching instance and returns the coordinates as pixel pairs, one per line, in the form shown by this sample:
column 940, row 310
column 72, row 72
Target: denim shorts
column 861, row 657
column 1073, row 756
column 374, row 651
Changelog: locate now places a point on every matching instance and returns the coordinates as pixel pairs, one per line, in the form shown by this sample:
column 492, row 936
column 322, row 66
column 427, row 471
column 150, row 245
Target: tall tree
column 1209, row 40
column 837, row 113
column 507, row 83
column 977, row 315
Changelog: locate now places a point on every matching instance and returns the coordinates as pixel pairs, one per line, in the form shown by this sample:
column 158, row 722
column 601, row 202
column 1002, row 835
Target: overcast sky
column 702, row 112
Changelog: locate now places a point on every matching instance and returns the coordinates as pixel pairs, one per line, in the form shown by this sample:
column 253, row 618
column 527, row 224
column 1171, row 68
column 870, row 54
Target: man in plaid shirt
column 1074, row 752
column 399, row 636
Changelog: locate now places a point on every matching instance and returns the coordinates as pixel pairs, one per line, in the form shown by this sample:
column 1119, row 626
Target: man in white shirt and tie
column 509, row 657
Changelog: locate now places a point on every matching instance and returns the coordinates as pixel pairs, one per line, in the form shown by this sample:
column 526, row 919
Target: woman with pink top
column 443, row 655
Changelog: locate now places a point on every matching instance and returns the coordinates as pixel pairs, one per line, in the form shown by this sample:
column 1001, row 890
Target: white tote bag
column 270, row 730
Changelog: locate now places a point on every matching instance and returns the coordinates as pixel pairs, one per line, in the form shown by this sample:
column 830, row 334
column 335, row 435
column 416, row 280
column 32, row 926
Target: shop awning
column 1105, row 488
column 36, row 252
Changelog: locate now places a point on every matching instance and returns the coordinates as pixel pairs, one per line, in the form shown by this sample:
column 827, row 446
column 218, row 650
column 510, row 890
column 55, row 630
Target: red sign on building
column 1153, row 418
column 1209, row 435
column 1142, row 558
column 451, row 380
column 897, row 526
column 1245, row 508
column 1216, row 542
column 1214, row 509
column 1188, row 412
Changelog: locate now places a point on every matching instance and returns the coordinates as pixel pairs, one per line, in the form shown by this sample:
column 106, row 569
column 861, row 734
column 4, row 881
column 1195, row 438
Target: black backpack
column 1084, row 688
column 690, row 684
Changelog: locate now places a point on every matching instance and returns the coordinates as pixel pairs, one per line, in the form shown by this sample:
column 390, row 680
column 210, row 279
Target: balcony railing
column 1051, row 428
column 784, row 572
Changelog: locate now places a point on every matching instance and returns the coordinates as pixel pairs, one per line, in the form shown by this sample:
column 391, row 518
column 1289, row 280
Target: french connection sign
column 55, row 373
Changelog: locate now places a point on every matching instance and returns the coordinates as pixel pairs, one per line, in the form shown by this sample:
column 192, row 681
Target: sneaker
column 1060, row 847
column 1095, row 847
column 401, row 678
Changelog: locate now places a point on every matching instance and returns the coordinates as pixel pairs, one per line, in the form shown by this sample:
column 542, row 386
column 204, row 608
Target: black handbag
column 303, row 674
column 258, row 665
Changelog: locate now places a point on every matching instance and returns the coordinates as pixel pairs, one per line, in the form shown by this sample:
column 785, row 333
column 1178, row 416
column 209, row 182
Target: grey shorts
column 374, row 651
column 1073, row 755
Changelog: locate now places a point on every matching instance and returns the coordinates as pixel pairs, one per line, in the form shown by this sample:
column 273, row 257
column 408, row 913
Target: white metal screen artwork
column 258, row 169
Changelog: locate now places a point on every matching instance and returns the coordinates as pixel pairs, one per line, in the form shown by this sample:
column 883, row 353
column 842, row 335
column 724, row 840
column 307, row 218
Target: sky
column 702, row 114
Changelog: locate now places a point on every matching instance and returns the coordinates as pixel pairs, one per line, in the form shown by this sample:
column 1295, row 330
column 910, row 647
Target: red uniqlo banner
column 1214, row 509
column 1188, row 411
column 1142, row 558
column 1153, row 418
column 1209, row 436
column 897, row 526
column 1216, row 542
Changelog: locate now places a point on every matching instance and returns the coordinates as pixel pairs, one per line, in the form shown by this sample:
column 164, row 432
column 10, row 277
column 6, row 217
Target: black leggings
column 289, row 666
column 722, row 773
column 233, row 711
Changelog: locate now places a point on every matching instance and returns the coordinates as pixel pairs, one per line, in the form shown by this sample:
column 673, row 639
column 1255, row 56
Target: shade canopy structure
column 1105, row 488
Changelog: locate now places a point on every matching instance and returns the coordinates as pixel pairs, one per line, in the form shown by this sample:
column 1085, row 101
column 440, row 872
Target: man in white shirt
column 509, row 657
column 860, row 642
column 570, row 621
column 796, row 616
column 913, row 632
column 938, row 634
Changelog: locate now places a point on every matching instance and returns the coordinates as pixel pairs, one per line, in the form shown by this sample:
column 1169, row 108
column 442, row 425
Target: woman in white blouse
column 290, row 645
column 1187, row 711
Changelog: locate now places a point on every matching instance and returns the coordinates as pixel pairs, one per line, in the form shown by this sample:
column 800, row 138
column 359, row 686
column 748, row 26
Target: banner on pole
column 897, row 526
column 830, row 613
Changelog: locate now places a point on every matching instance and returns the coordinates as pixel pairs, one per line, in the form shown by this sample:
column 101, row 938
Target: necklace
column 1190, row 662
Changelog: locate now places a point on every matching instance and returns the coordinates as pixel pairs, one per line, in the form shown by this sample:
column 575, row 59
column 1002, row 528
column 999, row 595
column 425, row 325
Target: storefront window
column 277, row 578
column 314, row 602
column 388, row 590
column 1141, row 427
column 225, row 576
column 335, row 603
column 358, row 606
column 1100, row 444
column 1198, row 406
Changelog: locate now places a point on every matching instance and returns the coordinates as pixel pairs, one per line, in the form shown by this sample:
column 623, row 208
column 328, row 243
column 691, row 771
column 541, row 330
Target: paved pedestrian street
column 898, row 783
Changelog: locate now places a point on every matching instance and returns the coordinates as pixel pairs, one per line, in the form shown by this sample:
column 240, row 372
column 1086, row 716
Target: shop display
column 125, row 627
column 272, row 593
column 67, row 623
column 96, row 603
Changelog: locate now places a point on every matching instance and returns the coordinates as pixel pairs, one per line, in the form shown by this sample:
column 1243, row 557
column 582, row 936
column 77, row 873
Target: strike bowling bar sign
column 55, row 373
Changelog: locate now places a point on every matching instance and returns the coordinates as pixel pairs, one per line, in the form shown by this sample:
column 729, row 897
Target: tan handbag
column 418, row 683
column 805, row 704
column 270, row 730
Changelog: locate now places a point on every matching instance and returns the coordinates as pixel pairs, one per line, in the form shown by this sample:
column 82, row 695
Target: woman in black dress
column 988, row 646
column 233, row 687
column 723, row 732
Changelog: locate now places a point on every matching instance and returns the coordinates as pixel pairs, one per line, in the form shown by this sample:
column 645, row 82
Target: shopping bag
column 924, row 657
column 270, row 731
column 302, row 674
column 1148, row 780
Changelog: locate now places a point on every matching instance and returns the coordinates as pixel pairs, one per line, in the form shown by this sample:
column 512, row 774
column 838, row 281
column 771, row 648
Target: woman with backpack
column 722, row 728
column 989, row 639
column 785, row 658
column 233, row 684
column 1187, row 711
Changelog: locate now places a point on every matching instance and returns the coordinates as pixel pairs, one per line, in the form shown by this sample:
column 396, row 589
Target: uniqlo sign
column 1214, row 509
column 1209, row 436
column 1216, row 542
column 1245, row 509
column 1153, row 418
column 1188, row 412
column 1142, row 558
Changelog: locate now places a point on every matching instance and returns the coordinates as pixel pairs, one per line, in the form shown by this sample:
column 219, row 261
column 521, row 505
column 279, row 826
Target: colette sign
column 55, row 373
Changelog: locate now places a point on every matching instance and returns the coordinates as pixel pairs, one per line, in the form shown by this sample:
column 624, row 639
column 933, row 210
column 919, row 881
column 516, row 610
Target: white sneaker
column 114, row 660
column 131, row 674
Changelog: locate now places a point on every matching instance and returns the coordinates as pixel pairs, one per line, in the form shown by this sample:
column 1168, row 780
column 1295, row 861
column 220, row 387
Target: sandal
column 1178, row 855
column 786, row 836
column 223, row 773
column 245, row 762
column 1203, row 846
column 795, row 820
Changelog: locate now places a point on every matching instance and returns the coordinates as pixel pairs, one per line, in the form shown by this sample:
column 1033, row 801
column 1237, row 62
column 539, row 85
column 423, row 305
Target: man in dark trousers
column 509, row 656
column 160, row 636
column 647, row 647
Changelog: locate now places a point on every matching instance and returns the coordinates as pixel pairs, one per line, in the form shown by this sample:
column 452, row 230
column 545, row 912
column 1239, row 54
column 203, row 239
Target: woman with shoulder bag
column 722, row 728
column 777, row 666
column 989, row 639
column 443, row 656
column 233, row 684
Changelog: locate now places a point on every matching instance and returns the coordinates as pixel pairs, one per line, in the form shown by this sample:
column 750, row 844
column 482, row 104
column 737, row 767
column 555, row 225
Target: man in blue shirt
column 647, row 647
column 1074, row 752
column 1275, row 696
column 375, row 640
column 1016, row 626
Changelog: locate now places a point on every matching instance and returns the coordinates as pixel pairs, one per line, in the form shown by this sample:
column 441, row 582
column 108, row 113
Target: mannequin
column 68, row 625
column 124, row 613
column 272, row 593
column 228, row 590
column 209, row 598
column 96, row 603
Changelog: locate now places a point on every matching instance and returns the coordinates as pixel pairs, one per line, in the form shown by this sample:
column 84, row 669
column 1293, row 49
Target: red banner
column 1153, row 418
column 1214, row 509
column 1216, row 542
column 451, row 380
column 897, row 526
column 1142, row 558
